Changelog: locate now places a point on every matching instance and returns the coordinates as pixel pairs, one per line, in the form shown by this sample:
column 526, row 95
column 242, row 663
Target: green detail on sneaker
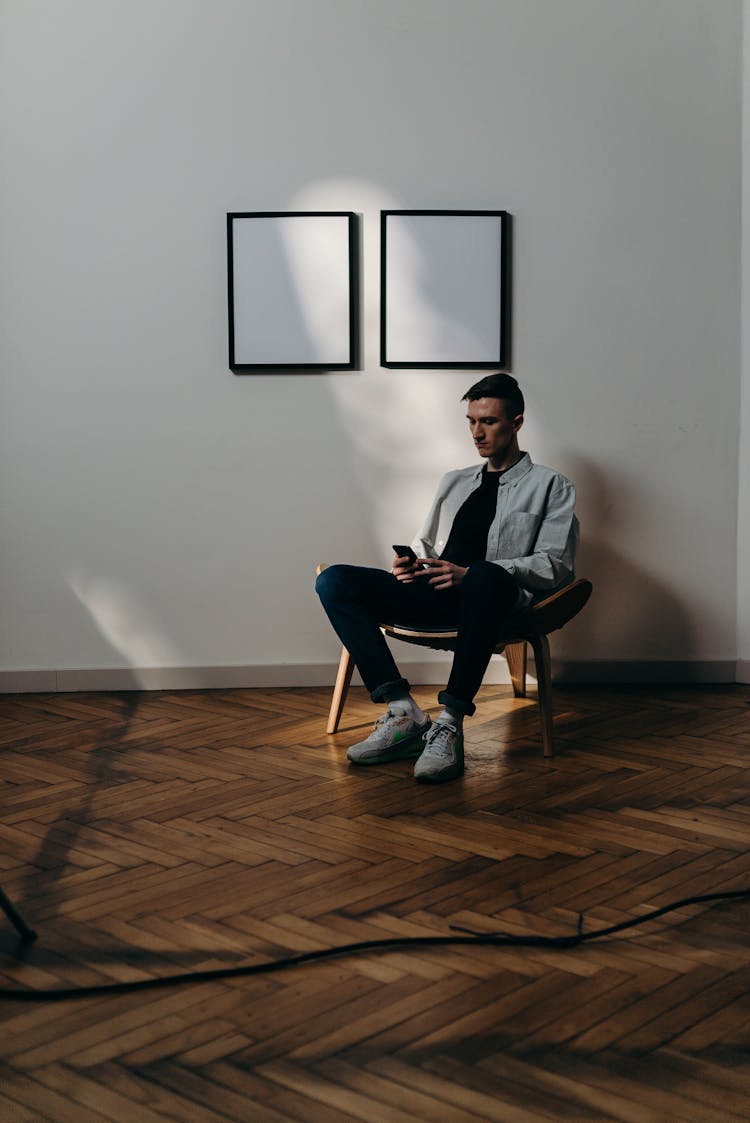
column 395, row 737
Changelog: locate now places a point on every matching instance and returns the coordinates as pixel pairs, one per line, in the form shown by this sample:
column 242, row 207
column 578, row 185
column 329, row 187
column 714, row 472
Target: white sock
column 453, row 718
column 408, row 706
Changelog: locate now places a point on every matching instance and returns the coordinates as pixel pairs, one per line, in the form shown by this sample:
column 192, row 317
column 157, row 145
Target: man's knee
column 481, row 576
column 487, row 583
column 331, row 582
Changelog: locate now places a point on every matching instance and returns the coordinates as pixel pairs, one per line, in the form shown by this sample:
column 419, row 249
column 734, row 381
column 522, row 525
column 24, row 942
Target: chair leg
column 515, row 653
column 340, row 690
column 540, row 643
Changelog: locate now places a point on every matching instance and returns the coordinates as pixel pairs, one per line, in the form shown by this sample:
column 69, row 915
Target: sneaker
column 396, row 736
column 443, row 756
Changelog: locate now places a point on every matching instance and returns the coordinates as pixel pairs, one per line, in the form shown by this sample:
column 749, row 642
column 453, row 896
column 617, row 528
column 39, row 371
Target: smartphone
column 405, row 552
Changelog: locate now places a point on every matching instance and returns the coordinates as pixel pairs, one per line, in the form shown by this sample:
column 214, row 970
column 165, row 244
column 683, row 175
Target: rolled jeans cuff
column 390, row 691
column 451, row 702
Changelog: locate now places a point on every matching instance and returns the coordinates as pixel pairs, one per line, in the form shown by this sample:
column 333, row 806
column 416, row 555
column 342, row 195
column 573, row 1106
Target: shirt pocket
column 518, row 534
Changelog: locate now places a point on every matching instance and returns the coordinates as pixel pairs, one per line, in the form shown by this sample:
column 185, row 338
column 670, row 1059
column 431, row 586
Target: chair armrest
column 554, row 612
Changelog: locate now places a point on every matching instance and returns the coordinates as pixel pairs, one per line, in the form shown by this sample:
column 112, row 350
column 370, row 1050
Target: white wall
column 158, row 511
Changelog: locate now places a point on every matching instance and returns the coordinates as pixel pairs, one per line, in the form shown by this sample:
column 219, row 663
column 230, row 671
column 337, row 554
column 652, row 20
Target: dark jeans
column 357, row 600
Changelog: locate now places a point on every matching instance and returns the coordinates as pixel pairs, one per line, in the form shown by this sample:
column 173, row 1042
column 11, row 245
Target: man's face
column 493, row 431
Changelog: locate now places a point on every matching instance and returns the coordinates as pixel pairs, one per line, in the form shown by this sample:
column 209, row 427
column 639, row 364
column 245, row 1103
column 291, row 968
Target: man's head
column 495, row 414
column 499, row 385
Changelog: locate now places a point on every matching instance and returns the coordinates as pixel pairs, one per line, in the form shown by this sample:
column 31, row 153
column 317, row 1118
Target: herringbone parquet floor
column 150, row 834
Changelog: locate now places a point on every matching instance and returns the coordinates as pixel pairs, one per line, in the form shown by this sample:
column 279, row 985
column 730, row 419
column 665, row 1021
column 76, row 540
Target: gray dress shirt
column 533, row 535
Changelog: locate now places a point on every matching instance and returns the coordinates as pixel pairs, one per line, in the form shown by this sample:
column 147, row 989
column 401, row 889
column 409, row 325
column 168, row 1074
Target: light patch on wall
column 406, row 427
column 124, row 622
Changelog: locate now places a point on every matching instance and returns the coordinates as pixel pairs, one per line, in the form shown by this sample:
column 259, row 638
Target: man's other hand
column 442, row 574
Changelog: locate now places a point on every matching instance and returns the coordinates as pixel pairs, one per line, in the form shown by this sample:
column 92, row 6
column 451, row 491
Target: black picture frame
column 445, row 289
column 292, row 290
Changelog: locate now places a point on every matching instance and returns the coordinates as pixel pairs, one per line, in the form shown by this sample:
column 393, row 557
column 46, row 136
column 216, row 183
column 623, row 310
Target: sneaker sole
column 451, row 773
column 409, row 749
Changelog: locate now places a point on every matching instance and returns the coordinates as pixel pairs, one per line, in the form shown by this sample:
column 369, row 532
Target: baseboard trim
column 601, row 671
column 644, row 672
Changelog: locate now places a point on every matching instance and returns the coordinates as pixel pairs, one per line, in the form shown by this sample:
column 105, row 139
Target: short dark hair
column 498, row 385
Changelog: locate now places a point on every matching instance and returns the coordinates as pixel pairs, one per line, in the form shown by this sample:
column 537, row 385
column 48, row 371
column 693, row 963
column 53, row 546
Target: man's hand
column 442, row 574
column 404, row 569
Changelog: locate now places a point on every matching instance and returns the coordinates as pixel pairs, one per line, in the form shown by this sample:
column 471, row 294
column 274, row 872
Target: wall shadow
column 632, row 616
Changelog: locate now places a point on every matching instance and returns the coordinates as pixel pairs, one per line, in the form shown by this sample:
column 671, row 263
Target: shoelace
column 389, row 715
column 438, row 739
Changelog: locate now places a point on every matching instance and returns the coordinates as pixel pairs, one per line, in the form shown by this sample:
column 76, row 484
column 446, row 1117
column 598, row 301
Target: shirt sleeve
column 551, row 562
column 424, row 543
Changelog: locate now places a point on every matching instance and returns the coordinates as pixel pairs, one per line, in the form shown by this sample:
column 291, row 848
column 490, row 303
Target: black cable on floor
column 495, row 939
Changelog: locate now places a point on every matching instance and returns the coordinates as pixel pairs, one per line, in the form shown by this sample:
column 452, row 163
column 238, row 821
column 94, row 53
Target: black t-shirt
column 467, row 541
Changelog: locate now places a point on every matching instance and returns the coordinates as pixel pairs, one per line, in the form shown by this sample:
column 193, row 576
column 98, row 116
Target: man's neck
column 511, row 457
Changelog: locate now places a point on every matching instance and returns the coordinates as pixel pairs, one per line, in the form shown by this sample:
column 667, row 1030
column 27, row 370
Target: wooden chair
column 532, row 626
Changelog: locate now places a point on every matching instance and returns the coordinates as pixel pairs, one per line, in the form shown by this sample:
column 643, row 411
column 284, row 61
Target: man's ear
column 517, row 422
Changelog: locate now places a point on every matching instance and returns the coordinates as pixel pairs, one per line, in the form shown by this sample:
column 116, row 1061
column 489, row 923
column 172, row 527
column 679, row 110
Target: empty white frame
column 292, row 289
column 445, row 289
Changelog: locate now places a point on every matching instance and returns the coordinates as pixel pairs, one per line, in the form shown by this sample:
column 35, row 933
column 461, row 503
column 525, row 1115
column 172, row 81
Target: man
column 497, row 538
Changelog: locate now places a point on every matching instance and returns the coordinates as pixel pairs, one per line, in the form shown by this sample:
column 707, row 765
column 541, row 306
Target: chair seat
column 542, row 618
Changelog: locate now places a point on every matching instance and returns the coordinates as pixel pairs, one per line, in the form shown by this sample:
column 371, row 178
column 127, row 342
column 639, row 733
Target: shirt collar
column 512, row 475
